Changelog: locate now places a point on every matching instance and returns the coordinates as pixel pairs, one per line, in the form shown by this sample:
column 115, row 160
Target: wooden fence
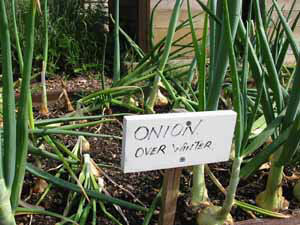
column 164, row 11
column 135, row 15
column 134, row 18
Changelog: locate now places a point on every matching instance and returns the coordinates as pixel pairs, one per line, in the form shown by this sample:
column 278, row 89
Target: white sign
column 163, row 141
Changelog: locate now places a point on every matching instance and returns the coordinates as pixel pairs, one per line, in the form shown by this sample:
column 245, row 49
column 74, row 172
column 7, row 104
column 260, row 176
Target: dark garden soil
column 141, row 187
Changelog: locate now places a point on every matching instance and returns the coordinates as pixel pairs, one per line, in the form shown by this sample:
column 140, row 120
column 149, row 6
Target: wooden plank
column 290, row 221
column 161, row 33
column 286, row 3
column 169, row 196
column 128, row 16
column 163, row 16
column 144, row 24
column 135, row 15
column 134, row 19
column 285, row 13
column 127, row 4
column 195, row 6
column 169, row 4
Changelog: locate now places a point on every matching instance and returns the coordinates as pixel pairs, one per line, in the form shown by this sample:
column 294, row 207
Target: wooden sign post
column 169, row 196
column 172, row 141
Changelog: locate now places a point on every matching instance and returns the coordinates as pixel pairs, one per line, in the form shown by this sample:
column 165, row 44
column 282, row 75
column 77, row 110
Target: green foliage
column 76, row 36
column 75, row 46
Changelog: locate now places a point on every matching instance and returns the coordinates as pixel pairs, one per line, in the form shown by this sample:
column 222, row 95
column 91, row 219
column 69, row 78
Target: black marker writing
column 197, row 145
column 164, row 131
column 149, row 151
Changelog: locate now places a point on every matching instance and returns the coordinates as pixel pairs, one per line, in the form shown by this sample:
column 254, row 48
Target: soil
column 141, row 187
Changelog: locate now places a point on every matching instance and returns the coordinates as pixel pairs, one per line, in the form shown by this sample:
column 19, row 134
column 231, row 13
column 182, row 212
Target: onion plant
column 239, row 89
column 146, row 71
column 150, row 102
column 90, row 178
column 199, row 192
column 215, row 215
column 173, row 87
column 23, row 112
column 14, row 158
column 16, row 33
column 20, row 55
column 210, row 101
column 195, row 102
column 44, row 106
column 263, row 57
column 16, row 132
column 71, row 162
column 284, row 143
column 6, row 213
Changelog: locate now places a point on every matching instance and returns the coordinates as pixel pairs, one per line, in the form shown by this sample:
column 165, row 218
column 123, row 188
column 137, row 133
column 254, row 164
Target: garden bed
column 143, row 187
column 238, row 65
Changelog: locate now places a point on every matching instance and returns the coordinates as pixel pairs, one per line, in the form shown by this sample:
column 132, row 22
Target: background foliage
column 76, row 36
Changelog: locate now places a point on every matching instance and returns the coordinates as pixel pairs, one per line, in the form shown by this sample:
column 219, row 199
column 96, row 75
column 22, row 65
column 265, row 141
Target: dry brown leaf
column 95, row 169
column 130, row 100
column 44, row 111
column 265, row 166
column 38, row 3
column 82, row 121
column 100, row 183
column 293, row 177
column 40, row 186
column 161, row 99
column 269, row 141
column 68, row 101
column 161, row 85
column 85, row 145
